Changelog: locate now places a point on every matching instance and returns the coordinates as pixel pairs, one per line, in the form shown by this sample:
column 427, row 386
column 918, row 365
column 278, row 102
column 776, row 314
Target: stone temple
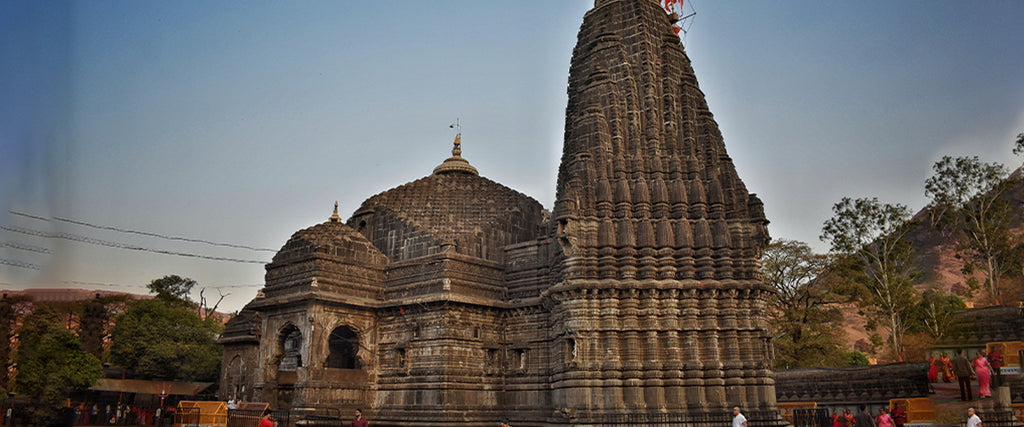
column 455, row 300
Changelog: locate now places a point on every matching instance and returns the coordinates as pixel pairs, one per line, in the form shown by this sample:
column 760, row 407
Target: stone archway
column 289, row 359
column 343, row 349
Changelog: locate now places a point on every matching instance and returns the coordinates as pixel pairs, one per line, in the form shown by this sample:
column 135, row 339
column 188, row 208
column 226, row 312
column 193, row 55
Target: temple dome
column 453, row 209
column 333, row 238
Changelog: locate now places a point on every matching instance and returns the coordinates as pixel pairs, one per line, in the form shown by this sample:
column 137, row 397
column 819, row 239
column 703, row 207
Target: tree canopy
column 172, row 288
column 967, row 202
column 935, row 310
column 158, row 340
column 50, row 363
column 804, row 316
column 871, row 236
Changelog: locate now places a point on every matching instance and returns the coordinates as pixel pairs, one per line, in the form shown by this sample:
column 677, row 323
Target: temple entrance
column 343, row 344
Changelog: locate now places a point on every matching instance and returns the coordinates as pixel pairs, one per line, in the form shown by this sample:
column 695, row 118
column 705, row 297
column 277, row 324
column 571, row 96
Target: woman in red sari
column 947, row 368
column 933, row 369
column 984, row 374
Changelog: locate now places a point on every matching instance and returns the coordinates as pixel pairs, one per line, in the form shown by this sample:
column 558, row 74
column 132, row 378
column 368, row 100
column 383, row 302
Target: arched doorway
column 343, row 344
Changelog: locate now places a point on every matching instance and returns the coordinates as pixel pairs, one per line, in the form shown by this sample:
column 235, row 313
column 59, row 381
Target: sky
column 142, row 139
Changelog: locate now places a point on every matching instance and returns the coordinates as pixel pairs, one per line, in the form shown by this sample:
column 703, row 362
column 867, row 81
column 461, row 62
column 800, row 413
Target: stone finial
column 334, row 216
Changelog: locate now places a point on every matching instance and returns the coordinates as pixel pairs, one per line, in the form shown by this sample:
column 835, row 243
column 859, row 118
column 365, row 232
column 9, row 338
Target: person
column 267, row 419
column 738, row 420
column 360, row 421
column 232, row 404
column 863, row 418
column 947, row 367
column 847, row 418
column 984, row 374
column 837, row 421
column 883, row 419
column 899, row 415
column 962, row 370
column 504, row 422
column 933, row 368
column 995, row 360
column 972, row 419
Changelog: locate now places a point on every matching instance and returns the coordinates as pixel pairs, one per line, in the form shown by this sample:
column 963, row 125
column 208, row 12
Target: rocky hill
column 942, row 268
column 941, row 265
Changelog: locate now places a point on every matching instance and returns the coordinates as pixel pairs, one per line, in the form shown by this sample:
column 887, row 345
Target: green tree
column 871, row 238
column 160, row 340
column 51, row 363
column 856, row 358
column 172, row 288
column 968, row 202
column 804, row 315
column 935, row 310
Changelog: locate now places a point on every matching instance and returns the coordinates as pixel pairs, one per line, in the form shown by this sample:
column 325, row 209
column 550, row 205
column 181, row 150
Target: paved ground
column 950, row 392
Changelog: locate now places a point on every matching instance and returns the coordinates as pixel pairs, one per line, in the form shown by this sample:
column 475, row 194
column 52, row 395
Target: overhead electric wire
column 29, row 248
column 143, row 233
column 89, row 240
column 117, row 285
column 22, row 264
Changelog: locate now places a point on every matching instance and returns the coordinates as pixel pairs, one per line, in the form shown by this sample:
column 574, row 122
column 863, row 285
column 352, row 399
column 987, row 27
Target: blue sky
column 242, row 122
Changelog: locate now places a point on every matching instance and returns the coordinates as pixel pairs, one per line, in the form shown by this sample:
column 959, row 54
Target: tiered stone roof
column 452, row 209
column 330, row 256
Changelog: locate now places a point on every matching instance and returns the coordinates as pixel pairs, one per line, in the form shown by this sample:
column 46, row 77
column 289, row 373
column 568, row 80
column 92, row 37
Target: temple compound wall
column 454, row 300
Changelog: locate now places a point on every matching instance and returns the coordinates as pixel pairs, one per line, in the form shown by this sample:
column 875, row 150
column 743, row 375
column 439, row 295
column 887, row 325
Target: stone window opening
column 290, row 349
column 519, row 359
column 571, row 350
column 343, row 344
column 401, row 359
column 492, row 363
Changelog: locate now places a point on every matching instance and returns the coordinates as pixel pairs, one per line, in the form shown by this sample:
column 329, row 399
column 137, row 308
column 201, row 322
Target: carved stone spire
column 658, row 208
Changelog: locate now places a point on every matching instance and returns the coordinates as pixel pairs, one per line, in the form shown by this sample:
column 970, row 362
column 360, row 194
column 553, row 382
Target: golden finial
column 457, row 150
column 456, row 163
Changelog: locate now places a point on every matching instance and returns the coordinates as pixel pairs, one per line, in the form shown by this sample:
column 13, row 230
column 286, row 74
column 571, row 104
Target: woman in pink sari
column 983, row 372
column 883, row 419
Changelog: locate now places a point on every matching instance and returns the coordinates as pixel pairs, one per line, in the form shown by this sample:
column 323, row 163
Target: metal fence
column 811, row 417
column 298, row 418
column 716, row 419
column 997, row 419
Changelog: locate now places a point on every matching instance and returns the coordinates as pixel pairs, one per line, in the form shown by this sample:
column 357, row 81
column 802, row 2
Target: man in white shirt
column 972, row 419
column 738, row 420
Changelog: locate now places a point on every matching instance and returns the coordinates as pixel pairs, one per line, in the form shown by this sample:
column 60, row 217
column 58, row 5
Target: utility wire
column 21, row 264
column 29, row 248
column 143, row 233
column 116, row 285
column 92, row 241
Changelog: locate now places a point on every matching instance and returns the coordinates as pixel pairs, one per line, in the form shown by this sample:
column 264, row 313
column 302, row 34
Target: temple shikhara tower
column 454, row 300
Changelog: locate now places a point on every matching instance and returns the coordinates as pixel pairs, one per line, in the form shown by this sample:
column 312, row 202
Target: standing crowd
column 864, row 419
column 983, row 367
